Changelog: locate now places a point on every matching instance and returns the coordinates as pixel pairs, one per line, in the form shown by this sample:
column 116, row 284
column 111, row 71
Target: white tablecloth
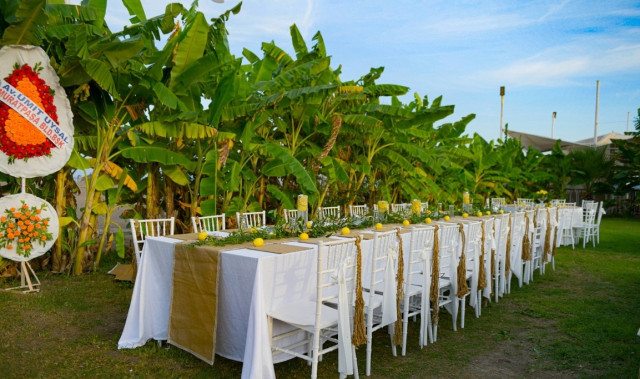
column 254, row 282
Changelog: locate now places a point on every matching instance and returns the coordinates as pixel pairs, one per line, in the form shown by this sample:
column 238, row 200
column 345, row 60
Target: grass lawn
column 580, row 320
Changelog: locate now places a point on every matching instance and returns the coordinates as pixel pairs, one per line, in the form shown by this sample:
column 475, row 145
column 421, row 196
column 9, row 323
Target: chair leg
column 316, row 349
column 479, row 304
column 368, row 366
column 356, row 375
column 463, row 306
column 391, row 328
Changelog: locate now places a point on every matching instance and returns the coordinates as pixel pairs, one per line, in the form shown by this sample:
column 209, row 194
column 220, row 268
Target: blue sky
column 548, row 54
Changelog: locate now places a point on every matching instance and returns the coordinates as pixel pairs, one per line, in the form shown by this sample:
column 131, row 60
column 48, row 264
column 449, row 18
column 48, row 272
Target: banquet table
column 253, row 283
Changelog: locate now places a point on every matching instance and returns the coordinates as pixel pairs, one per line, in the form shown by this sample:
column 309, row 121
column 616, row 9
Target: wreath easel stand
column 36, row 139
column 26, row 271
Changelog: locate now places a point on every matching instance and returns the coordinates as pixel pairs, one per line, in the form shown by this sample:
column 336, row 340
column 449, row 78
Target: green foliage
column 275, row 125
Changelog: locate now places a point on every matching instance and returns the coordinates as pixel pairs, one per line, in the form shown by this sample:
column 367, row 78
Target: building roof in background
column 604, row 139
column 542, row 143
column 545, row 144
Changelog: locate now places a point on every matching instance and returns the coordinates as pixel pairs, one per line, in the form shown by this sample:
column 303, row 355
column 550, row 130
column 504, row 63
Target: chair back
column 585, row 202
column 448, row 241
column 589, row 213
column 527, row 203
column 251, row 219
column 325, row 213
column 141, row 229
column 517, row 226
column 400, row 208
column 556, row 202
column 565, row 218
column 290, row 214
column 473, row 240
column 208, row 223
column 358, row 210
column 497, row 203
column 420, row 254
column 384, row 244
column 334, row 256
column 599, row 214
column 424, row 207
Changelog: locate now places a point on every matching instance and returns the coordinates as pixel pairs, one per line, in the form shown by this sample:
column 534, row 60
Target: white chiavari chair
column 329, row 213
column 208, row 223
column 472, row 246
column 289, row 214
column 380, row 300
column 517, row 231
column 251, row 219
column 335, row 284
column 501, row 237
column 358, row 210
column 447, row 256
column 141, row 229
column 417, row 283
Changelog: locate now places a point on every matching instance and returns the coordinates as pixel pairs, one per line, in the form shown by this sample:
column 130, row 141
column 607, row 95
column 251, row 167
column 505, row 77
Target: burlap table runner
column 194, row 300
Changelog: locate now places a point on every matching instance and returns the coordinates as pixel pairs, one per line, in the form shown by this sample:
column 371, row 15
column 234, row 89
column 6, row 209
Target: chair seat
column 303, row 314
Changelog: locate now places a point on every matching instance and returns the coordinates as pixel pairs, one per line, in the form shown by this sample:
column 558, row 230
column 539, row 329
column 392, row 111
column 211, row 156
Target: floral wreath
column 20, row 139
column 24, row 227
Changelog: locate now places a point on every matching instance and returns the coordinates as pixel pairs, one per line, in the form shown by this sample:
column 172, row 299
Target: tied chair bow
column 389, row 312
column 345, row 352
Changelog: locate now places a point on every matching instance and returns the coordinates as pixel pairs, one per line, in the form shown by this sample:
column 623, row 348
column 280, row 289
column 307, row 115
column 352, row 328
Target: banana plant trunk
column 56, row 258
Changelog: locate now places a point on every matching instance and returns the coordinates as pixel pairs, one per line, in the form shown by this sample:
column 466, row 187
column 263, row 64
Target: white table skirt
column 254, row 282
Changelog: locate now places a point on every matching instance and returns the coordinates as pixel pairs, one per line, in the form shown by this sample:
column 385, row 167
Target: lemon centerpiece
column 406, row 222
column 427, row 220
column 304, row 236
column 345, row 230
column 378, row 226
column 258, row 242
column 202, row 236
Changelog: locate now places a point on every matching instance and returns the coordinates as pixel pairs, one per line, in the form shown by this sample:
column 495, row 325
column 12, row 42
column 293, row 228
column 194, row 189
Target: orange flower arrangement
column 23, row 228
column 20, row 139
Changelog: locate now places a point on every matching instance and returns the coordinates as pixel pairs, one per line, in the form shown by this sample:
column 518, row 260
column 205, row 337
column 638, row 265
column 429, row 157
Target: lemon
column 465, row 215
column 447, row 218
column 258, row 242
column 304, row 236
column 406, row 222
column 378, row 226
column 488, row 213
column 202, row 236
column 479, row 214
column 427, row 220
column 501, row 211
column 345, row 230
column 309, row 224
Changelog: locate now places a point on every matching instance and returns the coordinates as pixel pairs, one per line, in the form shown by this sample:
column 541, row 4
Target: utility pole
column 553, row 119
column 501, row 111
column 595, row 131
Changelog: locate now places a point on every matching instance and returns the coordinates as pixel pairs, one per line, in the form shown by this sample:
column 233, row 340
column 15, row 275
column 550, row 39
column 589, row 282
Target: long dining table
column 253, row 282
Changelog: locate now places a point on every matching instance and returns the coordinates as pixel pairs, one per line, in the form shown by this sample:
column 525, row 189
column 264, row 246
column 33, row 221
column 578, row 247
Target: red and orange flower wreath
column 19, row 139
column 23, row 227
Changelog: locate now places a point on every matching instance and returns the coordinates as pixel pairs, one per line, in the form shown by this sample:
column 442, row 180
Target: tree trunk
column 56, row 256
